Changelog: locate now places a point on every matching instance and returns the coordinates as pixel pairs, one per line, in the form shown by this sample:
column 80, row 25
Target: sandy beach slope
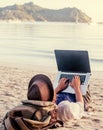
column 13, row 89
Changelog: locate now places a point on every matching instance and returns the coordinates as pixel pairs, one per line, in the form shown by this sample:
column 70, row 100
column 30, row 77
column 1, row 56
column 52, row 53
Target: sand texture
column 13, row 89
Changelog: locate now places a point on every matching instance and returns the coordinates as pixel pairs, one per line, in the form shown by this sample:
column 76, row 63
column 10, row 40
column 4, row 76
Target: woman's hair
column 33, row 89
column 34, row 93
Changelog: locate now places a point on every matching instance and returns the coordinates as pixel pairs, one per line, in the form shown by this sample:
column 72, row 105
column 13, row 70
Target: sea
column 33, row 43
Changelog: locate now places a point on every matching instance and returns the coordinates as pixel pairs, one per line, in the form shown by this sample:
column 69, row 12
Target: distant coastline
column 32, row 12
column 32, row 21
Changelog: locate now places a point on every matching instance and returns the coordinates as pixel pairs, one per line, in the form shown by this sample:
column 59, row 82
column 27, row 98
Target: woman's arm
column 61, row 86
column 76, row 85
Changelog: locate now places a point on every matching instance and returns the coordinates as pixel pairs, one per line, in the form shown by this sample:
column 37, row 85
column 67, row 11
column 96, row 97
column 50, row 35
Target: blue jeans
column 65, row 96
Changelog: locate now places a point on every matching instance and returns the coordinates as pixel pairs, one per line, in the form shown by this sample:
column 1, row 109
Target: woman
column 40, row 88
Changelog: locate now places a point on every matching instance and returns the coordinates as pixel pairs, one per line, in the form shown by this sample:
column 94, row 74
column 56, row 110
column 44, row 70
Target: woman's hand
column 62, row 85
column 75, row 83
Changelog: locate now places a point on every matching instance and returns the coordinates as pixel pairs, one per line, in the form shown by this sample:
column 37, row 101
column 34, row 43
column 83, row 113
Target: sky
column 93, row 8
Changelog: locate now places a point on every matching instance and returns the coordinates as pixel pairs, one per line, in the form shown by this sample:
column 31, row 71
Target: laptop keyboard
column 82, row 77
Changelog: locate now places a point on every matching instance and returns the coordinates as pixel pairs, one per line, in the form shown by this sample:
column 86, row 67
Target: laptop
column 71, row 63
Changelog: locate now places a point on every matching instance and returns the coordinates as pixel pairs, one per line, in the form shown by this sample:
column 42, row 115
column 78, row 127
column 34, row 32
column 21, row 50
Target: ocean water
column 34, row 43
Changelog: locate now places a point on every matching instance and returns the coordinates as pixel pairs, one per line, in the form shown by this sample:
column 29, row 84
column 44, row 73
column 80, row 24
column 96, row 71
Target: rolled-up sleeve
column 70, row 110
column 77, row 109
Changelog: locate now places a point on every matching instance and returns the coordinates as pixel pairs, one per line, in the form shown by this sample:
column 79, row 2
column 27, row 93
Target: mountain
column 32, row 12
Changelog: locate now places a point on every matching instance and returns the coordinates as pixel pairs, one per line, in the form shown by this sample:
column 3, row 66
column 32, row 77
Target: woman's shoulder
column 74, row 110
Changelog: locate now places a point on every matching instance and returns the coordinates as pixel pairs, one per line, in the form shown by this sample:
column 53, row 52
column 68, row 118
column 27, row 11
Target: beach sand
column 13, row 88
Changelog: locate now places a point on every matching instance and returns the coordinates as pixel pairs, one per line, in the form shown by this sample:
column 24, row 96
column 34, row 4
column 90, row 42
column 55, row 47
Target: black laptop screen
column 72, row 61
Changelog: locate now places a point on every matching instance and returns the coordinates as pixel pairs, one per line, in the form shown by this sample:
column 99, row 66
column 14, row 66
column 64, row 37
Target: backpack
column 31, row 115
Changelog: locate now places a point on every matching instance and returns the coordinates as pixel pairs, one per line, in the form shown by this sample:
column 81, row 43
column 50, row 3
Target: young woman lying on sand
column 41, row 88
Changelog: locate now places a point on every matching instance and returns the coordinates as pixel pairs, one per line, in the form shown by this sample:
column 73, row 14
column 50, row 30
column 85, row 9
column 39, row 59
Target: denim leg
column 65, row 96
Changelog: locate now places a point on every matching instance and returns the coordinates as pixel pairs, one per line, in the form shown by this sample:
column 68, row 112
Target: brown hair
column 33, row 89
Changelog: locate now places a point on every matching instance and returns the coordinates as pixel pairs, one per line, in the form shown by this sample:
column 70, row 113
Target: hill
column 32, row 12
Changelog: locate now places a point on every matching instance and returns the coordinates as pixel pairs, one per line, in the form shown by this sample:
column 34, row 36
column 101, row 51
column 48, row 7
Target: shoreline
column 13, row 88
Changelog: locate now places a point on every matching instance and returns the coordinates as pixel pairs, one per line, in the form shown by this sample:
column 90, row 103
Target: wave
column 43, row 51
column 96, row 60
column 50, row 54
column 46, row 54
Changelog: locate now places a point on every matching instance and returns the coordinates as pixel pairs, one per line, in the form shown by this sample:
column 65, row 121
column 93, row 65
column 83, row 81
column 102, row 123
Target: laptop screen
column 72, row 61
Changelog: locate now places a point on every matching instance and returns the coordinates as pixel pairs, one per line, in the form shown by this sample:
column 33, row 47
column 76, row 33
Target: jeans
column 65, row 96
